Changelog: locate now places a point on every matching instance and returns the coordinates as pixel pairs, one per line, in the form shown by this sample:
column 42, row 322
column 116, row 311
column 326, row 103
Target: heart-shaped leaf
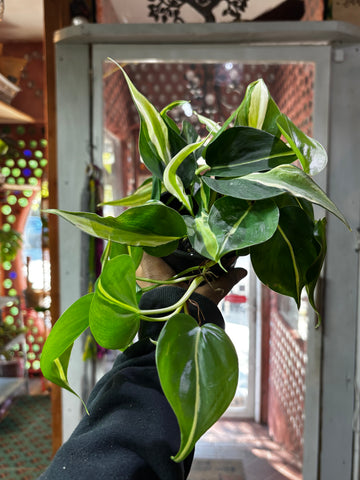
column 283, row 262
column 310, row 152
column 232, row 224
column 114, row 313
column 242, row 150
column 238, row 224
column 150, row 225
column 198, row 371
column 56, row 351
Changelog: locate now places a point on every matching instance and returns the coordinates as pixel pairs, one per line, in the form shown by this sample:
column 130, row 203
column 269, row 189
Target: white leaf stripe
column 249, row 162
column 282, row 177
column 185, row 450
column 109, row 298
column 172, row 181
column 156, row 126
column 60, row 370
column 233, row 230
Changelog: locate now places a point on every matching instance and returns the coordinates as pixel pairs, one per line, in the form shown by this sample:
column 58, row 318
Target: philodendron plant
column 246, row 187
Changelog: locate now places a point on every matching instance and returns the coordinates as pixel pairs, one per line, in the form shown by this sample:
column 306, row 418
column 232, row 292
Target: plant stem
column 166, row 282
column 201, row 169
column 179, row 304
column 161, row 319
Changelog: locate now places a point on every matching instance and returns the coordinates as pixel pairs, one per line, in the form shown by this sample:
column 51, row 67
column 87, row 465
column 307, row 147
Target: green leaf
column 201, row 237
column 238, row 224
column 189, row 133
column 114, row 249
column 282, row 263
column 258, row 104
column 114, row 313
column 313, row 273
column 139, row 197
column 242, row 188
column 232, row 224
column 310, row 152
column 155, row 126
column 152, row 224
column 148, row 153
column 162, row 250
column 239, row 151
column 173, row 182
column 176, row 103
column 211, row 126
column 293, row 180
column 198, row 372
column 186, row 170
column 203, row 197
column 258, row 109
column 57, row 349
column 281, row 179
column 148, row 225
column 287, row 200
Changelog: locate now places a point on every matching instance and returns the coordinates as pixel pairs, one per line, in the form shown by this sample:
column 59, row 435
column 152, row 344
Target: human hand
column 154, row 268
column 215, row 287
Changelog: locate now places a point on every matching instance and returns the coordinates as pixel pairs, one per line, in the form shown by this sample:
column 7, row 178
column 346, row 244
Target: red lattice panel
column 294, row 93
column 286, row 385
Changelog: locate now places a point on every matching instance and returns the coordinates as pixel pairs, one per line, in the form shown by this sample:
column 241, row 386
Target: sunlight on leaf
column 310, row 152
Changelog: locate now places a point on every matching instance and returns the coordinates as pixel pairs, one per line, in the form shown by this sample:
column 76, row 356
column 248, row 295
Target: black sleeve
column 131, row 431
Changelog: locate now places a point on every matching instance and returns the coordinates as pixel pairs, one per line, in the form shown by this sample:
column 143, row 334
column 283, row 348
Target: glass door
column 213, row 89
column 213, row 81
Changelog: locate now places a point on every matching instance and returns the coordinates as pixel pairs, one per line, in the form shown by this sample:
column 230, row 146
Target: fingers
column 217, row 289
column 154, row 268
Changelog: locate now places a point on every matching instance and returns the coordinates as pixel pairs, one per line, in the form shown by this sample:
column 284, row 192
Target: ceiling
column 22, row 21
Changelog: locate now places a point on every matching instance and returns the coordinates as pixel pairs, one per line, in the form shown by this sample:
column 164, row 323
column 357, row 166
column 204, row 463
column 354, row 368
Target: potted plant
column 246, row 187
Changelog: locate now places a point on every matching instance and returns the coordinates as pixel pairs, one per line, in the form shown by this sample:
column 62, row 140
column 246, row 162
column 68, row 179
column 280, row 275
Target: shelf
column 18, row 339
column 5, row 300
column 10, row 387
column 9, row 114
column 246, row 33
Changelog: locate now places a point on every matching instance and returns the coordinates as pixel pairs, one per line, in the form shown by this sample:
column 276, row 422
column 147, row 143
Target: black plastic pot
column 181, row 260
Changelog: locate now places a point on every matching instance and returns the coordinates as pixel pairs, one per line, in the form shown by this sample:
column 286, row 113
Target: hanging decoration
column 170, row 10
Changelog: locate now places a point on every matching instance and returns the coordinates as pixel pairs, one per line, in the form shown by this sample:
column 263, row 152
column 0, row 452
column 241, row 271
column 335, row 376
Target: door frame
column 334, row 47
